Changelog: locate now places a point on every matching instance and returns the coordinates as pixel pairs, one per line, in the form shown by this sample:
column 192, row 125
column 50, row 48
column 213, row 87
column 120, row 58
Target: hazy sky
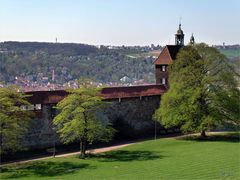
column 119, row 22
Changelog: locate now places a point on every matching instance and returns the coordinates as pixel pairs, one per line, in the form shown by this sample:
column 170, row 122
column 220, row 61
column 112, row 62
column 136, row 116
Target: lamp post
column 155, row 129
column 53, row 113
column 54, row 144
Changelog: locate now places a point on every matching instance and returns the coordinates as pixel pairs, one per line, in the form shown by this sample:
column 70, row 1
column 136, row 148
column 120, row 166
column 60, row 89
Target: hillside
column 70, row 61
column 36, row 62
column 231, row 53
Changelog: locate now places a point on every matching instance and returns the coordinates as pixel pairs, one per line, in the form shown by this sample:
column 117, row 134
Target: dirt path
column 92, row 151
column 99, row 150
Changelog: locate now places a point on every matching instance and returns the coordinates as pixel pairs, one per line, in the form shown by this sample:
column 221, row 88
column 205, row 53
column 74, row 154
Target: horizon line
column 65, row 42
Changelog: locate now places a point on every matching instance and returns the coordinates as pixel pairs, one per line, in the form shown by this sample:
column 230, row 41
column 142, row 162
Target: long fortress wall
column 130, row 111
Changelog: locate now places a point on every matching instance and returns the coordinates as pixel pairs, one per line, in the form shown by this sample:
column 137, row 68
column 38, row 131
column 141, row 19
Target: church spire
column 179, row 36
column 192, row 40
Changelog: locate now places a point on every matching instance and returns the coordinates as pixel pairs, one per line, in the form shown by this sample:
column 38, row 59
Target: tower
column 192, row 40
column 179, row 37
column 53, row 75
column 167, row 56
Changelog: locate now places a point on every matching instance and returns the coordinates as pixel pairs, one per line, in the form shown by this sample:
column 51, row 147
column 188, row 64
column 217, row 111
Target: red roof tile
column 53, row 97
column 133, row 91
column 46, row 97
column 167, row 55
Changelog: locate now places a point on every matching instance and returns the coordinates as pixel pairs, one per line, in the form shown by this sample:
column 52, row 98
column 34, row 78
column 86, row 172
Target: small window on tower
column 163, row 68
column 163, row 80
column 38, row 107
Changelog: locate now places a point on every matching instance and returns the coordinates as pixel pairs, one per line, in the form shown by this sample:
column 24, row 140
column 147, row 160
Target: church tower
column 167, row 57
column 179, row 37
column 192, row 40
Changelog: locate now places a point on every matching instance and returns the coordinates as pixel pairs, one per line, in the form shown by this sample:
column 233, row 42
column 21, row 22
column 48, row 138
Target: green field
column 169, row 158
column 231, row 53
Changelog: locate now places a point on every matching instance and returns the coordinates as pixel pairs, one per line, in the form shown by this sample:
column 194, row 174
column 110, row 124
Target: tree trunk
column 83, row 148
column 83, row 140
column 203, row 134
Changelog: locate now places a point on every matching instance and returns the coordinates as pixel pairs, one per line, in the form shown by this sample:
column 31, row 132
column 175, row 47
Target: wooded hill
column 72, row 61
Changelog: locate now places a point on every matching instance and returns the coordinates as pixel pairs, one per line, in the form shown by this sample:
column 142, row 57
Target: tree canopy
column 82, row 118
column 203, row 91
column 14, row 119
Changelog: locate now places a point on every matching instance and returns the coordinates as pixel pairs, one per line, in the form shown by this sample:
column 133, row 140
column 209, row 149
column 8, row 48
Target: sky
column 120, row 22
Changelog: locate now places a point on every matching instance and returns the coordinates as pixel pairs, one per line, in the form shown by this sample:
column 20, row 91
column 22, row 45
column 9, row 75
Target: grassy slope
column 231, row 53
column 160, row 159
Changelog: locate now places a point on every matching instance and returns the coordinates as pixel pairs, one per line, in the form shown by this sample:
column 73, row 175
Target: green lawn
column 217, row 158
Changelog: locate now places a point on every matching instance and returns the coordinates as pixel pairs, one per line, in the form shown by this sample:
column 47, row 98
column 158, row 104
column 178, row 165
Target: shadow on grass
column 226, row 137
column 41, row 169
column 123, row 155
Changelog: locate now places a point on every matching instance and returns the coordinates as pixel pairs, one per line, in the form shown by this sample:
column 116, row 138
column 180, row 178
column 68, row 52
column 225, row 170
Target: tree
column 203, row 91
column 14, row 119
column 82, row 118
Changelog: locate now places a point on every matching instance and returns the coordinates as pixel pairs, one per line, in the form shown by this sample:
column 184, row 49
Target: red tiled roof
column 53, row 97
column 173, row 50
column 167, row 55
column 46, row 97
column 132, row 91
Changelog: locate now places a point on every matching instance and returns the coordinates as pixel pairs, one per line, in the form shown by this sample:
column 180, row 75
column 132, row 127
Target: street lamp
column 155, row 129
column 54, row 144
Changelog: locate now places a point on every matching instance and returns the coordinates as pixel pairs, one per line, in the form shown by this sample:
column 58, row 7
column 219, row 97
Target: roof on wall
column 132, row 91
column 168, row 54
column 46, row 97
column 53, row 97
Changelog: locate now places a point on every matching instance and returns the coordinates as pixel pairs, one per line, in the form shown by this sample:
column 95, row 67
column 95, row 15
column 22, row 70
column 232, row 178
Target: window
column 163, row 68
column 31, row 107
column 38, row 107
column 163, row 80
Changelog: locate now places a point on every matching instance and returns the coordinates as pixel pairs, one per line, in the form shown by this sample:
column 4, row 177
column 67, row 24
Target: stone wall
column 40, row 133
column 131, row 117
